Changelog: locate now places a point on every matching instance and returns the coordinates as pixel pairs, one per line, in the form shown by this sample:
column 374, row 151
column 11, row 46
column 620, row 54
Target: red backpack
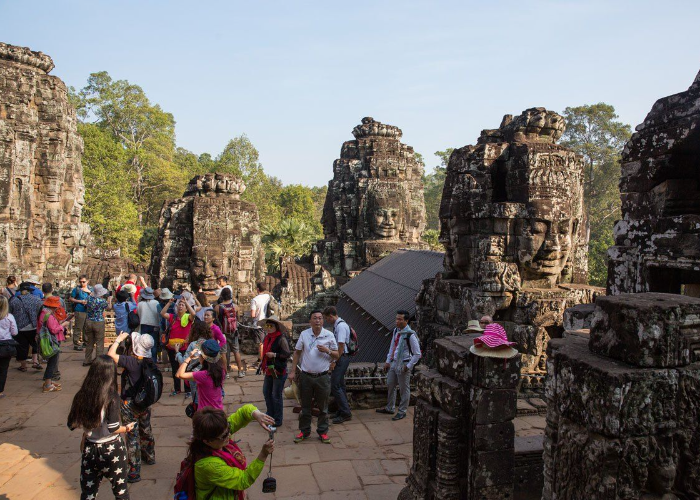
column 184, row 483
column 229, row 319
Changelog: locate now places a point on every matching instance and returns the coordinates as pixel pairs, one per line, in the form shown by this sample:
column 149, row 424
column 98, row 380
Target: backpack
column 184, row 482
column 272, row 308
column 48, row 345
column 132, row 319
column 149, row 388
column 229, row 319
column 353, row 345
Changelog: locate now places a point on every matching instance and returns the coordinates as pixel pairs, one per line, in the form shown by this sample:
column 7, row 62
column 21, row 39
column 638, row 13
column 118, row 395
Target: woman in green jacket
column 220, row 469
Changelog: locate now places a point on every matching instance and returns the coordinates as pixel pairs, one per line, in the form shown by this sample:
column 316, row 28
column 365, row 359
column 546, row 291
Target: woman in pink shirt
column 210, row 378
column 180, row 324
column 216, row 333
column 57, row 329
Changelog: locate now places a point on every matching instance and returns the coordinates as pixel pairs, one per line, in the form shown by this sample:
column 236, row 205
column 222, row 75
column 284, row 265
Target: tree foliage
column 291, row 237
column 593, row 130
column 433, row 184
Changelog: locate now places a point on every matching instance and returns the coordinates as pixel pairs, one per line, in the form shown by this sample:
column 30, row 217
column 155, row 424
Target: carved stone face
column 544, row 246
column 385, row 215
column 383, row 222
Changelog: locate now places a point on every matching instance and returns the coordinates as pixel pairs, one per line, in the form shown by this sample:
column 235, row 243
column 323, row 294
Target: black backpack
column 149, row 388
column 132, row 319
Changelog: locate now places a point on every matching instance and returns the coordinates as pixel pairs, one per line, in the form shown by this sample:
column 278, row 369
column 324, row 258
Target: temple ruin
column 622, row 396
column 515, row 237
column 375, row 200
column 41, row 194
column 209, row 232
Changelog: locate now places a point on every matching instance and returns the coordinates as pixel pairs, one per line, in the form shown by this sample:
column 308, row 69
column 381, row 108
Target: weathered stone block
column 494, row 436
column 650, row 329
column 495, row 373
column 492, row 468
column 490, row 406
column 452, row 356
column 425, row 444
column 578, row 317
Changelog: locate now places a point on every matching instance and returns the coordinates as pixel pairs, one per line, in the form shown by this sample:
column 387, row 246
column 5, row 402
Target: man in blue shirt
column 78, row 297
column 34, row 288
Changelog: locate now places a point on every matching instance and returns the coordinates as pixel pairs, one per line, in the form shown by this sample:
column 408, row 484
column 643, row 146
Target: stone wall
column 41, row 186
column 208, row 233
column 657, row 242
column 375, row 200
column 515, row 236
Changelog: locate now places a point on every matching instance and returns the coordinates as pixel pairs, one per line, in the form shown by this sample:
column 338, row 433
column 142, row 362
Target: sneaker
column 399, row 416
column 339, row 419
column 384, row 411
column 324, row 438
column 188, row 395
column 77, row 348
column 133, row 478
column 175, row 393
column 300, row 437
column 241, row 374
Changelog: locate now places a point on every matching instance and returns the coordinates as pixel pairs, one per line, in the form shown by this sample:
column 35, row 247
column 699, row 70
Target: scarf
column 267, row 345
column 233, row 456
column 404, row 335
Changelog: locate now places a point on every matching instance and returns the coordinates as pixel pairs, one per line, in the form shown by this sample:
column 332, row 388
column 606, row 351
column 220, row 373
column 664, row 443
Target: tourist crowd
column 192, row 335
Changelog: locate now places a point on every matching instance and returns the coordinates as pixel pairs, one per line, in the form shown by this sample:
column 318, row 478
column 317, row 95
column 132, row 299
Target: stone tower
column 513, row 226
column 41, row 193
column 208, row 233
column 375, row 201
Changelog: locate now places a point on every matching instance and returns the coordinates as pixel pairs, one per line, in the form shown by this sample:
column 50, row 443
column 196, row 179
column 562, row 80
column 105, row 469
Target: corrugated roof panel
column 373, row 337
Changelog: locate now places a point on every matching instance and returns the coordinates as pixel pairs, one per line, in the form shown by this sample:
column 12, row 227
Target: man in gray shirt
column 341, row 330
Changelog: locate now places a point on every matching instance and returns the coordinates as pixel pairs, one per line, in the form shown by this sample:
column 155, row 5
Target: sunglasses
column 83, row 282
column 270, row 325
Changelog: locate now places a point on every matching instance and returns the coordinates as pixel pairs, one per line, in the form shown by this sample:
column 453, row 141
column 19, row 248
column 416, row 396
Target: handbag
column 48, row 345
column 8, row 348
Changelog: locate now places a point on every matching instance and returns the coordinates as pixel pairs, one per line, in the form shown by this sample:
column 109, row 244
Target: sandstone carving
column 375, row 201
column 208, row 233
column 41, row 188
column 515, row 237
column 657, row 242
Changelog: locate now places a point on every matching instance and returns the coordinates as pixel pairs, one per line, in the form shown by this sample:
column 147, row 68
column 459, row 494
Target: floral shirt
column 96, row 308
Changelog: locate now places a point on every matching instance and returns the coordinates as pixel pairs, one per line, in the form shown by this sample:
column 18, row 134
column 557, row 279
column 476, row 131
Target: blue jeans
column 272, row 390
column 153, row 331
column 338, row 385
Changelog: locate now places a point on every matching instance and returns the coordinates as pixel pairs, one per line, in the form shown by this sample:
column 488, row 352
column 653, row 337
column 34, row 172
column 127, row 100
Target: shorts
column 258, row 336
column 233, row 344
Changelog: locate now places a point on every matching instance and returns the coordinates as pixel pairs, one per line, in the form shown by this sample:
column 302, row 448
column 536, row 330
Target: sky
column 297, row 76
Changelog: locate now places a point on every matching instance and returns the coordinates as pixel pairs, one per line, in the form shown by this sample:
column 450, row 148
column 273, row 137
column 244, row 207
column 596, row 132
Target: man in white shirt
column 317, row 348
column 222, row 281
column 404, row 354
column 341, row 331
column 258, row 312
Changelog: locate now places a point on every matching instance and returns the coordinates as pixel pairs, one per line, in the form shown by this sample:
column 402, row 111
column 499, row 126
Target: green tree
column 290, row 237
column 319, row 196
column 430, row 236
column 593, row 130
column 147, row 134
column 433, row 184
column 108, row 209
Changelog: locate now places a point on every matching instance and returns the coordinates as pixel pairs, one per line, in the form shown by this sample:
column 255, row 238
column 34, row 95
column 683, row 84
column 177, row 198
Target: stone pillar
column 463, row 426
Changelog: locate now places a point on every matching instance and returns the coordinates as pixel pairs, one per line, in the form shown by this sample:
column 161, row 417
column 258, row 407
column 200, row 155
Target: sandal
column 22, row 368
column 52, row 388
column 37, row 366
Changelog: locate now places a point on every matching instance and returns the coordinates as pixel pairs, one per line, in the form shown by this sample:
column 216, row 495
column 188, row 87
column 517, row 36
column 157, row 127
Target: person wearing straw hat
column 96, row 305
column 494, row 343
column 276, row 352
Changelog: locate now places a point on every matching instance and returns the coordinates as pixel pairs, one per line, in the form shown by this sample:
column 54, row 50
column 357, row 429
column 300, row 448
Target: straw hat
column 473, row 326
column 494, row 343
column 142, row 344
column 281, row 326
column 292, row 392
column 129, row 288
column 33, row 279
column 166, row 294
column 146, row 293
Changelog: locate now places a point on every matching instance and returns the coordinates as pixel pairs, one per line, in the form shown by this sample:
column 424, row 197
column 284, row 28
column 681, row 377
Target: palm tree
column 290, row 237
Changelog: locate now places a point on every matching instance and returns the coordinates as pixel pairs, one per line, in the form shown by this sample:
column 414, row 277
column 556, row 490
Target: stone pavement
column 40, row 458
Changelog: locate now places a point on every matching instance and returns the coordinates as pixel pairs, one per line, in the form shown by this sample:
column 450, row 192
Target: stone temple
column 623, row 396
column 375, row 200
column 41, row 190
column 515, row 237
column 209, row 232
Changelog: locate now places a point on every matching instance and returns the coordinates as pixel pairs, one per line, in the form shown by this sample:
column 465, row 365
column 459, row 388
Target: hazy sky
column 296, row 77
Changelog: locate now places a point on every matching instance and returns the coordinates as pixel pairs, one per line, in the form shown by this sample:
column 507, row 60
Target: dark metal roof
column 393, row 283
column 372, row 298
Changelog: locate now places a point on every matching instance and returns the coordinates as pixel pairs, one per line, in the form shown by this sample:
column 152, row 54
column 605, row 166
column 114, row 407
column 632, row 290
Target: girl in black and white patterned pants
column 104, row 460
column 95, row 409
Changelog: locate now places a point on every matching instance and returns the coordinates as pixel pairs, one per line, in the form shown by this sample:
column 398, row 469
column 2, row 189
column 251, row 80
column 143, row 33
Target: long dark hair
column 199, row 331
column 207, row 424
column 98, row 390
column 215, row 371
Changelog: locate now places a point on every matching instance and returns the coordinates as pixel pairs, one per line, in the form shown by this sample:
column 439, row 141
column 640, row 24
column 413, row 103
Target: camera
column 270, row 483
column 273, row 429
